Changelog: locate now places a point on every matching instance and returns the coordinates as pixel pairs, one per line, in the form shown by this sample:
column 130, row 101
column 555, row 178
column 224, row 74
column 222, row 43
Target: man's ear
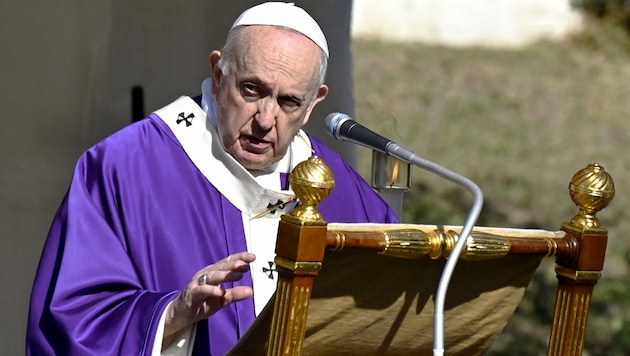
column 321, row 95
column 214, row 68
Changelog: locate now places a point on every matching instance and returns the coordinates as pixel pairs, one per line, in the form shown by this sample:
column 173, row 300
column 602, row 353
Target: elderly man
column 169, row 225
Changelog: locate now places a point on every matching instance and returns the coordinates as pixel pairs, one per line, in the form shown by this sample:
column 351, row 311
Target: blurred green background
column 519, row 123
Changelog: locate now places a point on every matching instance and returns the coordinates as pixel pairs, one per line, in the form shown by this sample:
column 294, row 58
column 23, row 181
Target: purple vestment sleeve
column 138, row 221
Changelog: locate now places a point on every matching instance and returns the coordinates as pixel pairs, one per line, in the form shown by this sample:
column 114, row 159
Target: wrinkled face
column 267, row 96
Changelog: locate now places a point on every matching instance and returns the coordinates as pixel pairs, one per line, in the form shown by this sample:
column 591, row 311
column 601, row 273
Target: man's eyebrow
column 254, row 80
column 292, row 97
column 300, row 98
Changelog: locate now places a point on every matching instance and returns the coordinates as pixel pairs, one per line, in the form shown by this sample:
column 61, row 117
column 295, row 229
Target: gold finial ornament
column 591, row 189
column 312, row 181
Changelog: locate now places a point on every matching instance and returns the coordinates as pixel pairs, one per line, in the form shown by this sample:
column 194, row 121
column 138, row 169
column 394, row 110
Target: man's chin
column 255, row 162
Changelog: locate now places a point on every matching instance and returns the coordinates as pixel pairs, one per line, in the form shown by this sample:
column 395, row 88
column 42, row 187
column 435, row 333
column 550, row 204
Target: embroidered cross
column 271, row 208
column 187, row 119
column 278, row 205
column 269, row 271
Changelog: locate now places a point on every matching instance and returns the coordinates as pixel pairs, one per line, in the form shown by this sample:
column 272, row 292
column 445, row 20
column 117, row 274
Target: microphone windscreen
column 333, row 122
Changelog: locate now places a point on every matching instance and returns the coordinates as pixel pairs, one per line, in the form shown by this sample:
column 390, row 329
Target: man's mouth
column 254, row 144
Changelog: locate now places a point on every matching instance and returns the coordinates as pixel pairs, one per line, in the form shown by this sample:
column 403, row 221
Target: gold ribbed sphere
column 312, row 181
column 591, row 189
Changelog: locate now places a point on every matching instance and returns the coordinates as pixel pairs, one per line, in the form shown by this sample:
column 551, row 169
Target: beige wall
column 67, row 69
column 496, row 23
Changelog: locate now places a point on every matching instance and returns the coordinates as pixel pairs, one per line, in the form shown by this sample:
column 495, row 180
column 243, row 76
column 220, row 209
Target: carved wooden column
column 299, row 254
column 591, row 190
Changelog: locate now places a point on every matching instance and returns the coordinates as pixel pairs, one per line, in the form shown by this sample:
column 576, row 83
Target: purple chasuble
column 138, row 221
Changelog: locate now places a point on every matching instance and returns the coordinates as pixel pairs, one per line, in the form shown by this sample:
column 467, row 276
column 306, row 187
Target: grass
column 519, row 123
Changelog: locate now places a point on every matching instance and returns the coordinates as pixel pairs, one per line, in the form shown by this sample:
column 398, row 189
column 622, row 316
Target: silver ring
column 203, row 279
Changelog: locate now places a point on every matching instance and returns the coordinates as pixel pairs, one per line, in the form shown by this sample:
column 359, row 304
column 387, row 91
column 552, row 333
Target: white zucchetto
column 286, row 15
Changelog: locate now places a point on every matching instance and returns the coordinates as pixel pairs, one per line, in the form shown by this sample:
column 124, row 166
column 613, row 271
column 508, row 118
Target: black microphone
column 344, row 128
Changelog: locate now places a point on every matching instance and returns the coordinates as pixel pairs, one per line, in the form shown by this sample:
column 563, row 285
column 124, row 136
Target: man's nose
column 267, row 113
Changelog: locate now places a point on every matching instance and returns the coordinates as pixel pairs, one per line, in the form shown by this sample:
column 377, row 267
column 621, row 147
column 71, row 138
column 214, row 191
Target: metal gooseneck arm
column 342, row 127
column 396, row 151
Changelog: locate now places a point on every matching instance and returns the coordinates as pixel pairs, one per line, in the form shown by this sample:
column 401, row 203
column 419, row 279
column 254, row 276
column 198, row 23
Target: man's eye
column 250, row 90
column 290, row 103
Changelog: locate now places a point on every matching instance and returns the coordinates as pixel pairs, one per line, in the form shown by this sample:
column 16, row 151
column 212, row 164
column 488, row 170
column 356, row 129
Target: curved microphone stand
column 445, row 279
column 344, row 128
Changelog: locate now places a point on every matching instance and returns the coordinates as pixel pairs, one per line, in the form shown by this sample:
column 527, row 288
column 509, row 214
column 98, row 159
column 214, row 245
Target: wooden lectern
column 371, row 292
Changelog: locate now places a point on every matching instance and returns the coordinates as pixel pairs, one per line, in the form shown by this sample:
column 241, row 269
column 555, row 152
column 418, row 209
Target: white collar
column 200, row 141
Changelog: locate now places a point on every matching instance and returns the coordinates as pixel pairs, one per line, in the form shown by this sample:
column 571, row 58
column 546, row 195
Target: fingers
column 223, row 297
column 206, row 284
column 204, row 294
column 241, row 257
column 238, row 293
column 229, row 269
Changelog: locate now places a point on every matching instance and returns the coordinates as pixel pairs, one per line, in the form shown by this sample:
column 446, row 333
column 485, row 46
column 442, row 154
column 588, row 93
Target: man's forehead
column 263, row 63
